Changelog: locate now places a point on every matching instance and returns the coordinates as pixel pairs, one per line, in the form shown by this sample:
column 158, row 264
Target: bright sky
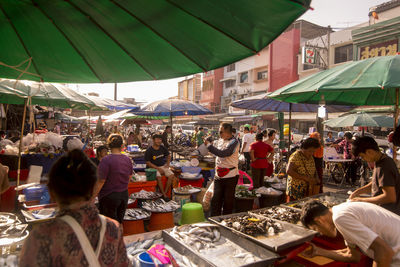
column 337, row 13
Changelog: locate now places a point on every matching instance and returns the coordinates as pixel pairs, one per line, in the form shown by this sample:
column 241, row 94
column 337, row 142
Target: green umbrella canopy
column 361, row 119
column 371, row 81
column 130, row 40
column 131, row 116
column 43, row 94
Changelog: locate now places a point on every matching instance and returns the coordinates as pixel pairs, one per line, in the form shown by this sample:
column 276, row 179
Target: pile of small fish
column 281, row 213
column 160, row 205
column 253, row 226
column 200, row 236
column 136, row 214
column 143, row 194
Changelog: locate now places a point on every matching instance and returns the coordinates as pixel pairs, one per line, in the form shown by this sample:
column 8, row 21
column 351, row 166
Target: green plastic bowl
column 192, row 213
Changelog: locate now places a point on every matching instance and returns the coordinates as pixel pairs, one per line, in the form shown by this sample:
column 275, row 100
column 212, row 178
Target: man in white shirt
column 371, row 228
column 248, row 138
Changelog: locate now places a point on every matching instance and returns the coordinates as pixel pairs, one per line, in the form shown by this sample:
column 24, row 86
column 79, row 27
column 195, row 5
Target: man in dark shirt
column 158, row 157
column 385, row 185
column 167, row 131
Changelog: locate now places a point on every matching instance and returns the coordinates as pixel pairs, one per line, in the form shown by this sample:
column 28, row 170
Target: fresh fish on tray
column 160, row 205
column 136, row 214
column 197, row 236
column 253, row 226
column 143, row 194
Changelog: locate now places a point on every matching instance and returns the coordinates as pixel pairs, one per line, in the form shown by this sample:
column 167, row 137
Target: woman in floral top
column 301, row 171
column 55, row 243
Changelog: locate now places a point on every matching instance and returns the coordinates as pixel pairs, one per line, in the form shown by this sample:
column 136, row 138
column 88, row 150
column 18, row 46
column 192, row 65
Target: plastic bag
column 208, row 196
column 242, row 158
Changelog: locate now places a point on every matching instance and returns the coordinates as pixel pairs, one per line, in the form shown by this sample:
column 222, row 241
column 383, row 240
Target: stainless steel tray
column 223, row 254
column 291, row 235
column 298, row 204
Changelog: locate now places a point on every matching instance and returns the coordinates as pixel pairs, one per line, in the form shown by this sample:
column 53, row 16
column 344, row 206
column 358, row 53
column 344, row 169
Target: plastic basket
column 151, row 174
column 190, row 169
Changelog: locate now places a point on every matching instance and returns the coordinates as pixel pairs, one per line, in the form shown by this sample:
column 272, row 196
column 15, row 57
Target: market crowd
column 369, row 224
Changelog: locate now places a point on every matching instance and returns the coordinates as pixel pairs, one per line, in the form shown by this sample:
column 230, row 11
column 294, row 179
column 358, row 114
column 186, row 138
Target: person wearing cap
column 319, row 158
column 158, row 157
column 364, row 226
column 385, row 184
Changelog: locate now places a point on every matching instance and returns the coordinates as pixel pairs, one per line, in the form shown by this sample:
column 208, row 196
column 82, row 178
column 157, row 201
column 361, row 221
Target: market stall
column 264, row 237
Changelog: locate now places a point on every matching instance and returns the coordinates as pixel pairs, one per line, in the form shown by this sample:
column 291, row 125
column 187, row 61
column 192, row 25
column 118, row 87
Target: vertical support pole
column 396, row 120
column 290, row 124
column 20, row 142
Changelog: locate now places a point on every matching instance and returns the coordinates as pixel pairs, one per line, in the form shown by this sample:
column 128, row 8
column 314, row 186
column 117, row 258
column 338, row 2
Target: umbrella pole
column 396, row 119
column 172, row 134
column 20, row 141
column 290, row 124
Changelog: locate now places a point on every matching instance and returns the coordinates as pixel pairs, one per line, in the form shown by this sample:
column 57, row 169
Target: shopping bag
column 208, row 196
column 242, row 175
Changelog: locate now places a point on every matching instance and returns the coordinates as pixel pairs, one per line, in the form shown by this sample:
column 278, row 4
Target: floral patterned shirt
column 298, row 189
column 54, row 243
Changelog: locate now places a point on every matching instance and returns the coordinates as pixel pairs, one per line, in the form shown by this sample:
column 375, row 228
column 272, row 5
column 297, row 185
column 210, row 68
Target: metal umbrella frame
column 121, row 41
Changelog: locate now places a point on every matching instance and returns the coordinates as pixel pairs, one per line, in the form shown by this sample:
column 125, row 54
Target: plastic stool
column 161, row 221
column 192, row 213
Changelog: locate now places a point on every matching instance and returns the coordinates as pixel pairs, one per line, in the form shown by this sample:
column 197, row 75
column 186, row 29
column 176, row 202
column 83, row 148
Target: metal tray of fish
column 329, row 199
column 289, row 236
column 230, row 250
column 280, row 213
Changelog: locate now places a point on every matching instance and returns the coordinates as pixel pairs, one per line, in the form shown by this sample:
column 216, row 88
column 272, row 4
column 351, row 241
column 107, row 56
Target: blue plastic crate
column 34, row 192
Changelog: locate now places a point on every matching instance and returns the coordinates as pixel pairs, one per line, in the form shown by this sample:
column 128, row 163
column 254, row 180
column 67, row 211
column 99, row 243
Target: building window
column 261, row 75
column 229, row 83
column 244, row 77
column 344, row 53
column 230, row 67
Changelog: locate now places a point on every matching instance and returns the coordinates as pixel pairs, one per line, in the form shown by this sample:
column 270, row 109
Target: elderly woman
column 78, row 236
column 301, row 170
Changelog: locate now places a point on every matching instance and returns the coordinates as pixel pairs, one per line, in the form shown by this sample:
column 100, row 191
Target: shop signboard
column 309, row 55
column 388, row 48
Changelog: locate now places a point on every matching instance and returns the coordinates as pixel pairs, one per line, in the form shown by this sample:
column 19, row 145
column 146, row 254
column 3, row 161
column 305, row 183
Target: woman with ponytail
column 79, row 235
